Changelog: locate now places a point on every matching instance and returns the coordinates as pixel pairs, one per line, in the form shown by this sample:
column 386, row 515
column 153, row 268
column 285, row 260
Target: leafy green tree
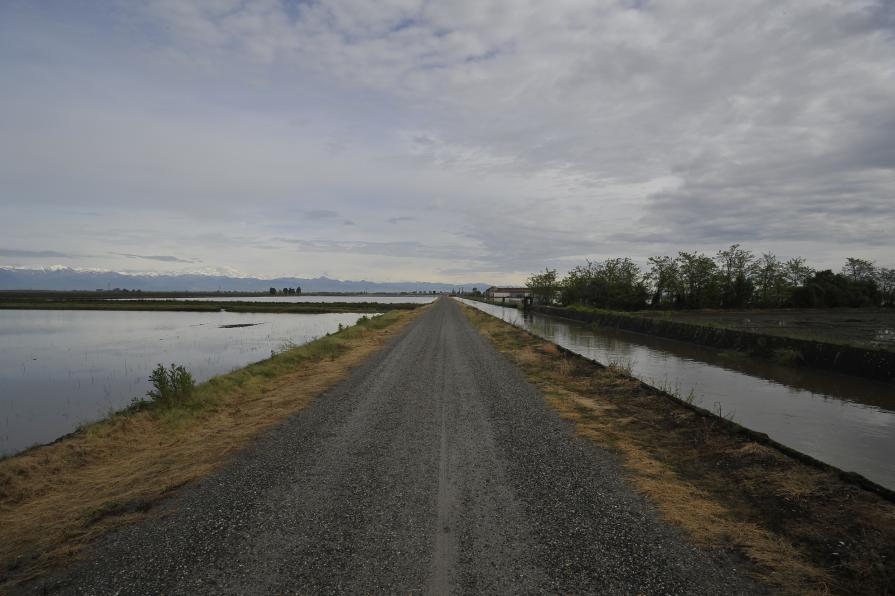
column 826, row 289
column 770, row 281
column 624, row 283
column 859, row 269
column 796, row 272
column 733, row 278
column 700, row 287
column 614, row 283
column 543, row 286
column 736, row 267
column 885, row 280
column 573, row 287
column 664, row 279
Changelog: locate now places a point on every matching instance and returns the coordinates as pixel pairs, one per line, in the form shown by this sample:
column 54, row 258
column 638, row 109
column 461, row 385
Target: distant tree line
column 733, row 278
column 287, row 291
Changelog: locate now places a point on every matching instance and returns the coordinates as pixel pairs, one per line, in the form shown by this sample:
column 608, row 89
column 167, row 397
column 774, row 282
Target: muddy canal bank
column 868, row 362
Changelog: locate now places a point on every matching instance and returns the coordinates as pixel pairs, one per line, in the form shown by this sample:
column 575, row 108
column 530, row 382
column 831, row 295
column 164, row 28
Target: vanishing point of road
column 434, row 468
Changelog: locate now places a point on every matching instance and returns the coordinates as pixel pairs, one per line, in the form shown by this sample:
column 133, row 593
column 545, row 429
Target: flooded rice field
column 62, row 368
column 302, row 299
column 843, row 420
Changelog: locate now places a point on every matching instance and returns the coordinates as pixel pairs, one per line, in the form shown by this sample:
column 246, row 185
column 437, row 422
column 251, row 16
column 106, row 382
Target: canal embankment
column 806, row 526
column 856, row 360
column 57, row 498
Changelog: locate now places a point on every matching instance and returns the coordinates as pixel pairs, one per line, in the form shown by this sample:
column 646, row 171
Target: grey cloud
column 836, row 206
column 321, row 214
column 527, row 248
column 409, row 248
column 592, row 128
column 16, row 253
column 394, row 220
column 161, row 258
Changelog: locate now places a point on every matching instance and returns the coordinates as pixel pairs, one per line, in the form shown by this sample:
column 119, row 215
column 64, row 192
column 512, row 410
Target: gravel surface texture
column 434, row 468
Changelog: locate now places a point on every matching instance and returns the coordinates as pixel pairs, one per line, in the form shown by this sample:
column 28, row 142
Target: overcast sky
column 461, row 140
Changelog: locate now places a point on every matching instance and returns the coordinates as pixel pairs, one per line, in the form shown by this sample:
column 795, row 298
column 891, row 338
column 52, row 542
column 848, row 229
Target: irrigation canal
column 840, row 419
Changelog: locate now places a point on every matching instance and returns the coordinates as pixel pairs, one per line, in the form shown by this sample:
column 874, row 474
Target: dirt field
column 864, row 327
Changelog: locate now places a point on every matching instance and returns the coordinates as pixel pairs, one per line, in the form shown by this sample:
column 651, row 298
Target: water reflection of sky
column 844, row 420
column 296, row 299
column 61, row 368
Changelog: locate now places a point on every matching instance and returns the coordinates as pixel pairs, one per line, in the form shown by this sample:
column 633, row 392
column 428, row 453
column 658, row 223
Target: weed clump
column 170, row 386
column 787, row 356
column 621, row 367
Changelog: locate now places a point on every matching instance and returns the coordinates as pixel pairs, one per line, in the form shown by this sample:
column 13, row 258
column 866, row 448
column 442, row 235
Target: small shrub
column 787, row 356
column 621, row 367
column 170, row 386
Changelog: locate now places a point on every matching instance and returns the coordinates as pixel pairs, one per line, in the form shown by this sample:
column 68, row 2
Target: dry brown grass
column 57, row 498
column 802, row 529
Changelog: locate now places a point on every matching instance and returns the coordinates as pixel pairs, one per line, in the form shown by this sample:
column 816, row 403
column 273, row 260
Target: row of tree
column 286, row 291
column 733, row 278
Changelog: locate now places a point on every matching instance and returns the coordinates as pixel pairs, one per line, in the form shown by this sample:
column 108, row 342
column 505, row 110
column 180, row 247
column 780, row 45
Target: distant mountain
column 74, row 279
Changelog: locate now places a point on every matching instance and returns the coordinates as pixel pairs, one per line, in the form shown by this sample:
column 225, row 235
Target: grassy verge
column 803, row 529
column 197, row 306
column 55, row 499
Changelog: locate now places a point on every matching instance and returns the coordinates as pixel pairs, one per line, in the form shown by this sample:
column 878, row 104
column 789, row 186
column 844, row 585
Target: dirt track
column 434, row 468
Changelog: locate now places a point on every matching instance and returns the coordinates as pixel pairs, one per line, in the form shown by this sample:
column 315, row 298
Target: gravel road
column 434, row 468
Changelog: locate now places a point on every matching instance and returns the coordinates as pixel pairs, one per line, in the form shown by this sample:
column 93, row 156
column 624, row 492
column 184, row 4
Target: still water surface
column 61, row 368
column 844, row 420
column 352, row 298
